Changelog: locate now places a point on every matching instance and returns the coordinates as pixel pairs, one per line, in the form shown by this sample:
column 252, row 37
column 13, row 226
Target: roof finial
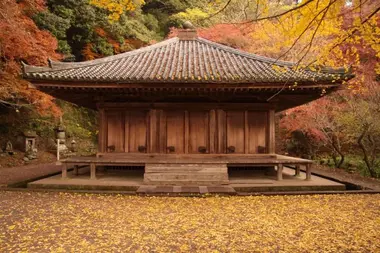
column 188, row 32
column 188, row 25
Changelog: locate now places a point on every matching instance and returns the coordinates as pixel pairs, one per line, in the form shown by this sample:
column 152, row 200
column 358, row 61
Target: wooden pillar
column 221, row 131
column 162, row 132
column 64, row 171
column 75, row 172
column 308, row 172
column 102, row 131
column 246, row 133
column 298, row 170
column 271, row 132
column 126, row 131
column 212, row 128
column 187, row 132
column 153, row 138
column 279, row 171
column 92, row 171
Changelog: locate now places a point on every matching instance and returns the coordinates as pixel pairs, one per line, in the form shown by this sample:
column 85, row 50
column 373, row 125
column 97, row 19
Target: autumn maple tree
column 21, row 40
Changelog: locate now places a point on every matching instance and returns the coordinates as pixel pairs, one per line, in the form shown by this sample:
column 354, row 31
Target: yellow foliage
column 117, row 7
column 62, row 222
column 323, row 32
column 195, row 15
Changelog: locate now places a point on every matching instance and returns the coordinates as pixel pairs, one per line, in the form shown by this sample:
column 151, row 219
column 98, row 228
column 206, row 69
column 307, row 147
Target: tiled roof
column 182, row 61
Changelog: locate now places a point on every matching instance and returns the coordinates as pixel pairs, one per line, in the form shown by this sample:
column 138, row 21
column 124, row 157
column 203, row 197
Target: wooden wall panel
column 198, row 131
column 137, row 131
column 257, row 132
column 175, row 131
column 115, row 131
column 235, row 121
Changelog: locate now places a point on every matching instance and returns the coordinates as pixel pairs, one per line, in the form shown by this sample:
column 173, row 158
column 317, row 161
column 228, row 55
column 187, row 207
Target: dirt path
column 13, row 175
column 344, row 176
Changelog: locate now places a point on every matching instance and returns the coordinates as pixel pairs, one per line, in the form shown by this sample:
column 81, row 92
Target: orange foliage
column 116, row 45
column 100, row 31
column 236, row 36
column 21, row 40
column 134, row 43
column 88, row 53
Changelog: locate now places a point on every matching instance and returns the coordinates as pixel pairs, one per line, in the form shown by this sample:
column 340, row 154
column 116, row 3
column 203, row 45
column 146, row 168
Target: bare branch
column 352, row 33
column 219, row 11
column 280, row 14
column 303, row 32
column 10, row 104
column 313, row 36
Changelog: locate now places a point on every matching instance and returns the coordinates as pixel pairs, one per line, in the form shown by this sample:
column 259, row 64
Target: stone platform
column 239, row 181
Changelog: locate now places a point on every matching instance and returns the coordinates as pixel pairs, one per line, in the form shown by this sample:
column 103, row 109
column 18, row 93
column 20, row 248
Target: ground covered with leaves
column 63, row 222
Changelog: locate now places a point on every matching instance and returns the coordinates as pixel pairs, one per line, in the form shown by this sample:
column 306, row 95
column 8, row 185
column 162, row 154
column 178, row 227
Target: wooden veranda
column 192, row 169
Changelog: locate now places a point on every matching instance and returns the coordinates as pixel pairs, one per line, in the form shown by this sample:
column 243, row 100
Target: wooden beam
column 193, row 106
column 180, row 85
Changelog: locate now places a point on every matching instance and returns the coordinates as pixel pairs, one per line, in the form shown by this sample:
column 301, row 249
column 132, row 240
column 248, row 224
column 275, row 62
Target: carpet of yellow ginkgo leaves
column 63, row 222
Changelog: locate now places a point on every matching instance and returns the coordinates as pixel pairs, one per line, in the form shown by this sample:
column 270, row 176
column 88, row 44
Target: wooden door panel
column 198, row 131
column 137, row 131
column 235, row 131
column 175, row 132
column 257, row 123
column 115, row 132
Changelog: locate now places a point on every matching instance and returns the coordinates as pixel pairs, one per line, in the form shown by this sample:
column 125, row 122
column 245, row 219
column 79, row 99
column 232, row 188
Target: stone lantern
column 29, row 141
column 74, row 147
column 60, row 136
column 60, row 131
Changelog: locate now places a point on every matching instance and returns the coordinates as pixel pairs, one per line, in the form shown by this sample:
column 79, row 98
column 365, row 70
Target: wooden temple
column 186, row 108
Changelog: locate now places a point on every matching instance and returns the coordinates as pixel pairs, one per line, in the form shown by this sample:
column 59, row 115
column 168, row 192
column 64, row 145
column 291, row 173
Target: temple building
column 186, row 109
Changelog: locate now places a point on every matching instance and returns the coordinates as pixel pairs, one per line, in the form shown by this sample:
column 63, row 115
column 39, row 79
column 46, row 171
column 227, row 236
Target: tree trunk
column 366, row 159
column 337, row 148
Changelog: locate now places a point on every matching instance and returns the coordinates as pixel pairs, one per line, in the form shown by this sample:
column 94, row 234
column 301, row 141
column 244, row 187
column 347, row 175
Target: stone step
column 149, row 168
column 181, row 176
column 186, row 174
column 152, row 189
